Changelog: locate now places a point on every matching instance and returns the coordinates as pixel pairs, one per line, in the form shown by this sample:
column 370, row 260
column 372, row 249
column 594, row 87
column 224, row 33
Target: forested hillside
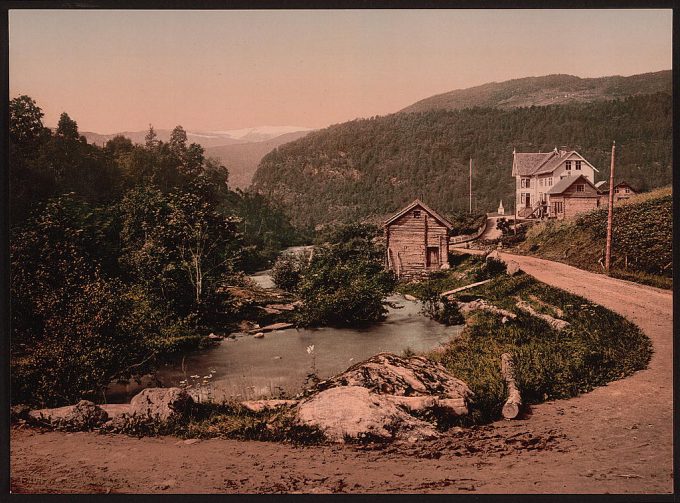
column 371, row 167
column 546, row 90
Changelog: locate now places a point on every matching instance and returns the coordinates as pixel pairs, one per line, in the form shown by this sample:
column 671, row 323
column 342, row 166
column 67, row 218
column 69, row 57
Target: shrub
column 342, row 292
column 287, row 271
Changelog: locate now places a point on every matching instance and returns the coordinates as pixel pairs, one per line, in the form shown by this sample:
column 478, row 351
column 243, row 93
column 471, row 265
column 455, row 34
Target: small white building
column 536, row 173
column 501, row 210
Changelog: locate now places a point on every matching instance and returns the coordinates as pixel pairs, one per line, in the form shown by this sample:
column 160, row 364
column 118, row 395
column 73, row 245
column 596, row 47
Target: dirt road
column 616, row 439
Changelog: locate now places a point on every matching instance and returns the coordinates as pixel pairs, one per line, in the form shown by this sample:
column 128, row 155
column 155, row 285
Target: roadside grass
column 599, row 347
column 225, row 420
column 641, row 247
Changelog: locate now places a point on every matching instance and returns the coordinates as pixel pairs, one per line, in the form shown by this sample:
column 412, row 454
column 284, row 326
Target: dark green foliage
column 73, row 328
column 287, row 271
column 643, row 232
column 345, row 282
column 265, row 230
column 465, row 222
column 370, row 167
column 118, row 254
column 491, row 268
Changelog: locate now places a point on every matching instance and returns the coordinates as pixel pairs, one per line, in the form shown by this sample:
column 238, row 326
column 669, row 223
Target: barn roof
column 567, row 182
column 425, row 207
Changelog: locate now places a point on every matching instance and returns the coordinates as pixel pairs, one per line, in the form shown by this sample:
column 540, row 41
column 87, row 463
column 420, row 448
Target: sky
column 114, row 70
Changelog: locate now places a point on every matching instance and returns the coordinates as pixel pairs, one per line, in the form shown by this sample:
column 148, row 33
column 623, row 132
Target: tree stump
column 514, row 402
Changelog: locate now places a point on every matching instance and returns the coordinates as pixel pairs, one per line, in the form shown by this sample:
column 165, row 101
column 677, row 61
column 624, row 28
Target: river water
column 246, row 367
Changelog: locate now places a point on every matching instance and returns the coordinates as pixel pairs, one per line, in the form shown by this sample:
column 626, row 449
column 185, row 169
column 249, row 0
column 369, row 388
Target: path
column 616, row 439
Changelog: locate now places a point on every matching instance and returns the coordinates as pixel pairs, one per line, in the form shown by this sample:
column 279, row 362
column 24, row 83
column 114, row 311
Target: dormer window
column 416, row 214
column 578, row 165
column 567, row 165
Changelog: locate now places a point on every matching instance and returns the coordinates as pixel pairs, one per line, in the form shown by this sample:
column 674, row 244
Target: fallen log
column 514, row 402
column 482, row 305
column 271, row 328
column 556, row 323
column 466, row 287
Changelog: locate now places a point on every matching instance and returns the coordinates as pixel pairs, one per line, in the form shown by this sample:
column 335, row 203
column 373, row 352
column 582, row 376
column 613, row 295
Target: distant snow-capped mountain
column 259, row 133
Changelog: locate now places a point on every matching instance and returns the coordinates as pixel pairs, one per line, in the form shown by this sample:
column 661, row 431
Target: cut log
column 514, row 402
column 466, row 287
column 271, row 328
column 556, row 323
column 482, row 305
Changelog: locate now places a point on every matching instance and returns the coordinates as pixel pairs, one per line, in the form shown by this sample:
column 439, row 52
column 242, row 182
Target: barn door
column 432, row 256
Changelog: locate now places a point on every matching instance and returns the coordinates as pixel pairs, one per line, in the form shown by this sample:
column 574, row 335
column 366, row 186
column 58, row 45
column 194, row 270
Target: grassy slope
column 642, row 230
column 600, row 346
column 546, row 90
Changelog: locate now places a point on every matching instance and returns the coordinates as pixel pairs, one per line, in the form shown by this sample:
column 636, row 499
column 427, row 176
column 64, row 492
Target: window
column 549, row 181
column 540, row 182
column 559, row 208
column 525, row 183
column 580, row 187
column 627, row 190
column 567, row 165
column 416, row 214
column 578, row 165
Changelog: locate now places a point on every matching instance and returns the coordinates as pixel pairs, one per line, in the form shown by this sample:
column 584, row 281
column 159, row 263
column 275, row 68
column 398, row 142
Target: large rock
column 160, row 403
column 389, row 374
column 82, row 416
column 385, row 397
column 355, row 413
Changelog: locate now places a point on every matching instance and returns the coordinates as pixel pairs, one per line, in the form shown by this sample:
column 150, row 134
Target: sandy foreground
column 616, row 439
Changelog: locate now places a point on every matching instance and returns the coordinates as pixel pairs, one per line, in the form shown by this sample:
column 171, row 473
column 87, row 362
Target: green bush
column 340, row 292
column 287, row 270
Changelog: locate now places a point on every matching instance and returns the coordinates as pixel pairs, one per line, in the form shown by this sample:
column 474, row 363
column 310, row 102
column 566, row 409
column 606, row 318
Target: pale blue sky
column 210, row 70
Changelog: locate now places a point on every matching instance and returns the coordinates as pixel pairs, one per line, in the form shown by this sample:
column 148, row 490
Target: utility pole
column 610, row 215
column 470, row 185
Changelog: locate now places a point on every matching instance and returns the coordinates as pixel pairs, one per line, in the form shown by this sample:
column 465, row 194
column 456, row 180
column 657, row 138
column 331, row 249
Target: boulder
column 389, row 374
column 259, row 335
column 356, row 413
column 384, row 398
column 410, row 297
column 84, row 415
column 160, row 403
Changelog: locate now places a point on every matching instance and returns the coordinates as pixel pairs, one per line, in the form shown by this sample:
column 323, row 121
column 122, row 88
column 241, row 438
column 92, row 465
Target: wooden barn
column 417, row 239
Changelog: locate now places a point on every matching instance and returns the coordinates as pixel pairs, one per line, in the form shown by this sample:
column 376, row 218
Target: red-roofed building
column 537, row 173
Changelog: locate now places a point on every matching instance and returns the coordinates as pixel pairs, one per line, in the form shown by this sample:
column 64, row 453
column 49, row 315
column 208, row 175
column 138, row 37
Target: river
column 246, row 367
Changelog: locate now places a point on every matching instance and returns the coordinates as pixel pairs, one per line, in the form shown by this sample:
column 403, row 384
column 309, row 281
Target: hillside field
column 642, row 242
